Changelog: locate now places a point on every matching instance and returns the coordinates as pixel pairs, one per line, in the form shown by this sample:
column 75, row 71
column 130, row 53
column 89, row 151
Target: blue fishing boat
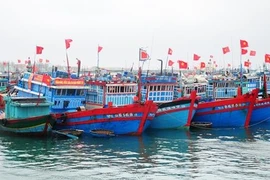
column 120, row 89
column 261, row 111
column 65, row 93
column 26, row 116
column 172, row 113
column 131, row 119
column 232, row 112
column 3, row 82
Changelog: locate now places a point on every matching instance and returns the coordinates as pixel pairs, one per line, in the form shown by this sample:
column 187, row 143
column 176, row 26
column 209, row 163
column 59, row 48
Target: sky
column 121, row 27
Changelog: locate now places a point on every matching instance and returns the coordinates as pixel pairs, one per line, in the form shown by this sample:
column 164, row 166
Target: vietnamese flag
column 267, row 58
column 39, row 49
column 252, row 53
column 243, row 43
column 143, row 55
column 170, row 63
column 67, row 42
column 246, row 63
column 226, row 49
column 196, row 57
column 170, row 51
column 244, row 51
column 202, row 65
column 99, row 48
column 182, row 64
column 19, row 61
column 229, row 65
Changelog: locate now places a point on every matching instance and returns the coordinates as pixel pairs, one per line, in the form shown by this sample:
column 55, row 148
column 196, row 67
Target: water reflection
column 194, row 153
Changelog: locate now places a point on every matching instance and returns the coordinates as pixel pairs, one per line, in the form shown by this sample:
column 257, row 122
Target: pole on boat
column 161, row 65
column 68, row 67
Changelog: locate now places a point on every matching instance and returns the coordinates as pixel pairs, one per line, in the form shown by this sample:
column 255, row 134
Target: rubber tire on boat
column 4, row 122
column 63, row 118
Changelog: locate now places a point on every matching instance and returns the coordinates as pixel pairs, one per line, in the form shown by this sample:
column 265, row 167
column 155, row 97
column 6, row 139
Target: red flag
column 267, row 58
column 4, row 63
column 246, row 63
column 196, row 57
column 68, row 41
column 211, row 56
column 47, row 61
column 40, row 60
column 99, row 48
column 214, row 62
column 170, row 63
column 19, row 61
column 226, row 49
column 229, row 65
column 143, row 55
column 243, row 43
column 39, row 50
column 202, row 65
column 182, row 64
column 244, row 51
column 170, row 51
column 252, row 53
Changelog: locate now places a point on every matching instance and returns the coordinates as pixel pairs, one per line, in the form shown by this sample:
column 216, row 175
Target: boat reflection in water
column 193, row 153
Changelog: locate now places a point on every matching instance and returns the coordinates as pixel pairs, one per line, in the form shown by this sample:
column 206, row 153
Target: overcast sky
column 121, row 27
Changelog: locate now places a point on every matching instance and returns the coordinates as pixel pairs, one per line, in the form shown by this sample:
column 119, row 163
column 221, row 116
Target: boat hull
column 131, row 119
column 39, row 125
column 261, row 112
column 174, row 115
column 229, row 113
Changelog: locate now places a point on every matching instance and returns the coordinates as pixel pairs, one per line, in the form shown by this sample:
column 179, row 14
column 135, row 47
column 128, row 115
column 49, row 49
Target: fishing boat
column 261, row 111
column 172, row 113
column 233, row 112
column 120, row 89
column 65, row 93
column 130, row 119
column 25, row 115
column 3, row 83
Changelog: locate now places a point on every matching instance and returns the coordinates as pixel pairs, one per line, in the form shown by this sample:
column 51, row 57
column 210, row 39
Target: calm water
column 167, row 154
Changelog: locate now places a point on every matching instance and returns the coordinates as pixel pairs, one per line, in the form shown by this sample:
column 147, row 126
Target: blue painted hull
column 119, row 127
column 260, row 113
column 220, row 119
column 172, row 119
column 39, row 129
column 131, row 119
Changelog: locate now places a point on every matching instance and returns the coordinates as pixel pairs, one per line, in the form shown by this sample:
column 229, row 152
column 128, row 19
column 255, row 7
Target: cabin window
column 58, row 91
column 70, row 92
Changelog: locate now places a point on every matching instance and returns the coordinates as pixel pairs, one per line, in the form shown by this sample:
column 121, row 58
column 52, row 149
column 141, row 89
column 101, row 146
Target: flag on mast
column 67, row 42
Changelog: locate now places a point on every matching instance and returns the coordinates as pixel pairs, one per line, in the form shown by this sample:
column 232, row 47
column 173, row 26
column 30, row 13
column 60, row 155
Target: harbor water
column 157, row 154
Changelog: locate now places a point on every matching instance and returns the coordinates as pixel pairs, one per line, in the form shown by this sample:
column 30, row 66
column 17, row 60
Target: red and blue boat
column 130, row 119
column 261, row 111
column 173, row 113
column 233, row 112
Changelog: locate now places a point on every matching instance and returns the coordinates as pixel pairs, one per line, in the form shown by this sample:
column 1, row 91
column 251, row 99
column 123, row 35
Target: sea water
column 157, row 154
